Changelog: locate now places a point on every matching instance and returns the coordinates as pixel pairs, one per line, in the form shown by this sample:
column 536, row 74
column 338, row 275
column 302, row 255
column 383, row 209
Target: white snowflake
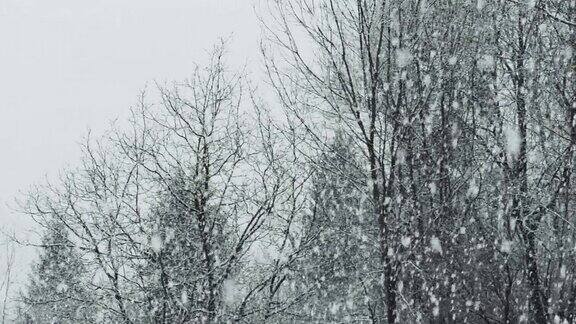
column 480, row 4
column 230, row 292
column 506, row 246
column 334, row 308
column 432, row 186
column 435, row 244
column 62, row 287
column 427, row 80
column 557, row 319
column 406, row 241
column 403, row 57
column 184, row 297
column 473, row 189
column 513, row 142
column 486, row 62
column 156, row 243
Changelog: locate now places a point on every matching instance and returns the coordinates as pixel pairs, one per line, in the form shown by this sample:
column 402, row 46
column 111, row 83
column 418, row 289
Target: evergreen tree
column 175, row 276
column 57, row 290
column 343, row 239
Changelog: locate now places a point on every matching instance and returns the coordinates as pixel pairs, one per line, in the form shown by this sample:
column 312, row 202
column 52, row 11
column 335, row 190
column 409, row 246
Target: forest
column 402, row 161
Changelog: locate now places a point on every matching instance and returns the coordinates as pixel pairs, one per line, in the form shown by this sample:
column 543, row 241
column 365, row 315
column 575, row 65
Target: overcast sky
column 70, row 65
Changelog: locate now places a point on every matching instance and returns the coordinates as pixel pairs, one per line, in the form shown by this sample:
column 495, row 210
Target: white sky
column 70, row 65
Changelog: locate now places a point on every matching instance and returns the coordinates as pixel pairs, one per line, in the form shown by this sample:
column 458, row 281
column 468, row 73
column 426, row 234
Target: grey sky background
column 67, row 66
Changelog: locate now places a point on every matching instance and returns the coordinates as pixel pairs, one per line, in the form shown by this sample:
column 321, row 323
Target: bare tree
column 6, row 283
column 166, row 214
